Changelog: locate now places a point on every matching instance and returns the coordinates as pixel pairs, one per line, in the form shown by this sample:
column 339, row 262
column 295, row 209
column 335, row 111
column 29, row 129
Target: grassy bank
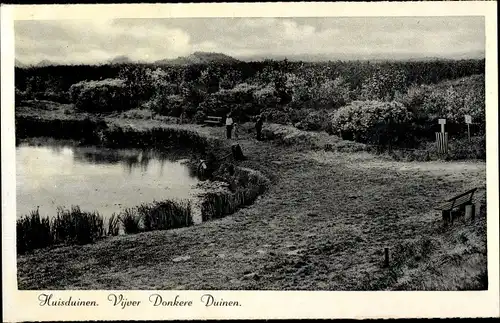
column 458, row 148
column 322, row 225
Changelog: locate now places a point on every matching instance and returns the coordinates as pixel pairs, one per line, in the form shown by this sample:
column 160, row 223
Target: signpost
column 442, row 122
column 468, row 121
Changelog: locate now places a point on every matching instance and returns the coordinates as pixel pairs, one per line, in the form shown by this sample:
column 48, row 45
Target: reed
column 248, row 185
column 71, row 226
column 76, row 226
column 130, row 221
column 113, row 225
column 32, row 232
column 164, row 215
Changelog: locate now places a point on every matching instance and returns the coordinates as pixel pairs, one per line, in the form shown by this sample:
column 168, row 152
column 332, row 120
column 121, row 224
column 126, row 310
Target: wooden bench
column 211, row 120
column 455, row 202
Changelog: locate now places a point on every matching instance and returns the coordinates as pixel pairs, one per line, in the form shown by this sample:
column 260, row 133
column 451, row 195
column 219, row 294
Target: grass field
column 323, row 224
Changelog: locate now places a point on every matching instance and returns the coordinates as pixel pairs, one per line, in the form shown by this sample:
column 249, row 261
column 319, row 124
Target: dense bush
column 167, row 105
column 286, row 91
column 199, row 117
column 102, row 96
column 451, row 100
column 239, row 100
column 313, row 121
column 372, row 121
column 277, row 116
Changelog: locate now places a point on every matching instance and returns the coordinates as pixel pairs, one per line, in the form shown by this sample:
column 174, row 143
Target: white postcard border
column 23, row 305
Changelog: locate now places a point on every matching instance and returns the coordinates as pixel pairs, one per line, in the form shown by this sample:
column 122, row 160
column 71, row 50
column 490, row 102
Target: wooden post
column 445, row 216
column 468, row 121
column 477, row 208
column 386, row 257
column 469, row 211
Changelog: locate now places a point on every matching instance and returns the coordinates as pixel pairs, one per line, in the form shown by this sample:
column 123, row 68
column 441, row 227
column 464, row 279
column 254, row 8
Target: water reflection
column 130, row 159
column 106, row 180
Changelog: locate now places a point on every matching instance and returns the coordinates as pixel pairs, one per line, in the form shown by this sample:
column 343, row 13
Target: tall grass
column 166, row 215
column 113, row 225
column 163, row 215
column 68, row 226
column 76, row 226
column 32, row 232
column 130, row 221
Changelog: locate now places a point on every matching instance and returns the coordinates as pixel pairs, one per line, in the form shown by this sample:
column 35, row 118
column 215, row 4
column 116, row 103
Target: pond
column 98, row 179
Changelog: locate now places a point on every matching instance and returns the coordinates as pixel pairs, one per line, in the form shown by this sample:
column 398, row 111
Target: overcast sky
column 92, row 41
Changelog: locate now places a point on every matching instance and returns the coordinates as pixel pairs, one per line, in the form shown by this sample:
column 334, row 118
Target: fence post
column 386, row 257
column 469, row 211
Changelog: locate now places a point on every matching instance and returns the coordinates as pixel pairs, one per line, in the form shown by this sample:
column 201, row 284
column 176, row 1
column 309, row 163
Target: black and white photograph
column 336, row 153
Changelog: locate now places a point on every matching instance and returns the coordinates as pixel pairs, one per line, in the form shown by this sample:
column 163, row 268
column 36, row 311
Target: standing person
column 258, row 126
column 229, row 125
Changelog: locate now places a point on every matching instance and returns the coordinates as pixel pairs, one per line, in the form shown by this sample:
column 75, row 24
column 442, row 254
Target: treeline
column 356, row 99
column 355, row 73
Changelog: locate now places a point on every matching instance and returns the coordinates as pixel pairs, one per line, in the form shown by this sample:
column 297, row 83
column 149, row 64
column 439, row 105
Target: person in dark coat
column 258, row 127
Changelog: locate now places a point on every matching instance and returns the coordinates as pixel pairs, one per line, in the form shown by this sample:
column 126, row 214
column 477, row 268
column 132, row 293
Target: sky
column 95, row 41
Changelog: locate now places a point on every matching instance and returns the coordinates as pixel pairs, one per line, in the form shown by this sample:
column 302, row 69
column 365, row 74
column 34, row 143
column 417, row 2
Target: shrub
column 143, row 114
column 102, row 96
column 167, row 105
column 463, row 149
column 200, row 117
column 239, row 100
column 372, row 121
column 266, row 97
column 277, row 116
column 313, row 121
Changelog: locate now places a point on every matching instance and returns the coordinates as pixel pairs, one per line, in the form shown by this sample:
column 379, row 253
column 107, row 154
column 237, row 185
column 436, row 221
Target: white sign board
column 468, row 119
column 442, row 121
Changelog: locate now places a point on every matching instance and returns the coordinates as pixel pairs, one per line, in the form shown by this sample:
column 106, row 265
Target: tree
column 230, row 79
column 383, row 85
column 210, row 79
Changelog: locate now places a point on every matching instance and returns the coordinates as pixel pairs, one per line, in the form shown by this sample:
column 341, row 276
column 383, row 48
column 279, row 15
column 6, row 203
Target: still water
column 97, row 179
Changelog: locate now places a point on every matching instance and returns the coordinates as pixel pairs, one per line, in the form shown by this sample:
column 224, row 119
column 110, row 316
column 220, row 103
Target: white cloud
column 96, row 40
